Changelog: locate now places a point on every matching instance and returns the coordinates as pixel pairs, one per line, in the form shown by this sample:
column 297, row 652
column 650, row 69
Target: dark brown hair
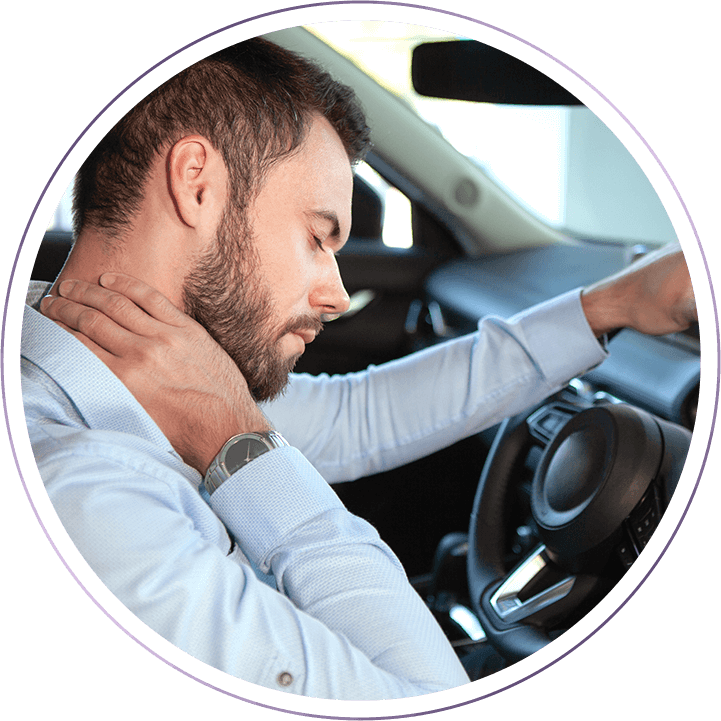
column 253, row 101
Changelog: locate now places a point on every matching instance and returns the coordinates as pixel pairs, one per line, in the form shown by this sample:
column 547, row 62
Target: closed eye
column 326, row 218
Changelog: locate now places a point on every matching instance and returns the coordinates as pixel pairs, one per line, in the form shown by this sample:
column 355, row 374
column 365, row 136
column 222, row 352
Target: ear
column 197, row 179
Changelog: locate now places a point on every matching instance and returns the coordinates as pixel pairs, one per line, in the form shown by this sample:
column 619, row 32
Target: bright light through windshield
column 530, row 166
column 560, row 163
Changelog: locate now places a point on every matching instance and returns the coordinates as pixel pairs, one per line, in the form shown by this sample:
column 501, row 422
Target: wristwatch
column 237, row 452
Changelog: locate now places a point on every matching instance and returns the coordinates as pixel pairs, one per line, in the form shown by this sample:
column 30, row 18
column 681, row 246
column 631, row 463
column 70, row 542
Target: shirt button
column 285, row 679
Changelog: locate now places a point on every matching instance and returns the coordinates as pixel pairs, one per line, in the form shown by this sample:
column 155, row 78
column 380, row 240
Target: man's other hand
column 653, row 295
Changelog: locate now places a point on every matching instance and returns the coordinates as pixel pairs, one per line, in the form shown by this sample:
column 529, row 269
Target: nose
column 329, row 296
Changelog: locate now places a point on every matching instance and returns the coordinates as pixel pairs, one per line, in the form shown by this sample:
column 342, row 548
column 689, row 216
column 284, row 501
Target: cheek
column 288, row 272
column 285, row 258
column 287, row 301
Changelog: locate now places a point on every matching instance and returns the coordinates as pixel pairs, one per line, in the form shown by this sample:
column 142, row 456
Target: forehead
column 316, row 178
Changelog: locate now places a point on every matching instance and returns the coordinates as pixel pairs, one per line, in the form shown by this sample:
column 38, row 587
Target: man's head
column 250, row 152
column 268, row 281
column 253, row 101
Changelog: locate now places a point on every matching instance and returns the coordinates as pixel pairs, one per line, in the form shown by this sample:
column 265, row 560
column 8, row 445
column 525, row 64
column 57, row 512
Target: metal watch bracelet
column 218, row 472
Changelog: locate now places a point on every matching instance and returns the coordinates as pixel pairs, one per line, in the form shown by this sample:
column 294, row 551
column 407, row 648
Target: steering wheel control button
column 627, row 554
column 645, row 517
column 640, row 526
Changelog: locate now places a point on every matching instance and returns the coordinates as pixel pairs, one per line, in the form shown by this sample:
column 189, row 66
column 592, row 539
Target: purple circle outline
column 416, row 7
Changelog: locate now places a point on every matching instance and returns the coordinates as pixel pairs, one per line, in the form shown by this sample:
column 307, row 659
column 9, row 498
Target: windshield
column 561, row 163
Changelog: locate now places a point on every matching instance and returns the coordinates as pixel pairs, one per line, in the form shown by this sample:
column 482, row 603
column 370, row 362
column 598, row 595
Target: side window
column 380, row 210
column 62, row 219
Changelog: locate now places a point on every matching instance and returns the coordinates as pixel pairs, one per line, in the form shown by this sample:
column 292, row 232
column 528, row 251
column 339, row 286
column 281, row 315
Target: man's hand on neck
column 179, row 374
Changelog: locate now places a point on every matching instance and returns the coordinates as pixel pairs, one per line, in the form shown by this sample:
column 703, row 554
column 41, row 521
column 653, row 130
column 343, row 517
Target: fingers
column 91, row 326
column 103, row 318
column 130, row 303
column 152, row 301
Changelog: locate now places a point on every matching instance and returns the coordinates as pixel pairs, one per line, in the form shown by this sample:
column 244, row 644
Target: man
column 207, row 224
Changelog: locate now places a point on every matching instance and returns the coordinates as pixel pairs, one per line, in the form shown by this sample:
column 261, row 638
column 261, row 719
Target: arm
column 182, row 378
column 362, row 423
column 387, row 416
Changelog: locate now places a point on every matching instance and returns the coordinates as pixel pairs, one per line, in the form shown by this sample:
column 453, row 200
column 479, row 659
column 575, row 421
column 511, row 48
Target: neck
column 137, row 253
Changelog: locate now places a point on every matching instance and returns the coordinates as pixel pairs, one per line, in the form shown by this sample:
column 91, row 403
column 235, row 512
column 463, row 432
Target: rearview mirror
column 469, row 70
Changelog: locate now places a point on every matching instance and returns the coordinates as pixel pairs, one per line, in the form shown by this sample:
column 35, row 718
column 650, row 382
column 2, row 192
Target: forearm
column 183, row 379
column 373, row 421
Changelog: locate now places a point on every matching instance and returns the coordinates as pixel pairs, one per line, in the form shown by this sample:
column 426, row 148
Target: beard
column 226, row 294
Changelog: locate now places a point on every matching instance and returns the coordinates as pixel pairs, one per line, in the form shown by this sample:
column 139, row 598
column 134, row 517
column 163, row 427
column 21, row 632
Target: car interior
column 513, row 534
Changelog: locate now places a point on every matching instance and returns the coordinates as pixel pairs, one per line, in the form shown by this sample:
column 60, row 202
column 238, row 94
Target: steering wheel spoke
column 534, row 585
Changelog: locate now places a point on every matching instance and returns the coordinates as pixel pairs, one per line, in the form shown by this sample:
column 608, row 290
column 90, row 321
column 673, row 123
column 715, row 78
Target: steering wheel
column 605, row 475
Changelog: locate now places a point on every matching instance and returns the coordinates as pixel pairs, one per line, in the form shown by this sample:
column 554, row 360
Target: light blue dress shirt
column 308, row 600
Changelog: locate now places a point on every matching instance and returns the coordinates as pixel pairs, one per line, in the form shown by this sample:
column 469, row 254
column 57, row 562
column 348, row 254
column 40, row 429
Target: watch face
column 243, row 451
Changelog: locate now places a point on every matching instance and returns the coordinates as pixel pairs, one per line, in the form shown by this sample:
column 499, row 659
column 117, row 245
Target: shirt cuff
column 559, row 337
column 267, row 499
